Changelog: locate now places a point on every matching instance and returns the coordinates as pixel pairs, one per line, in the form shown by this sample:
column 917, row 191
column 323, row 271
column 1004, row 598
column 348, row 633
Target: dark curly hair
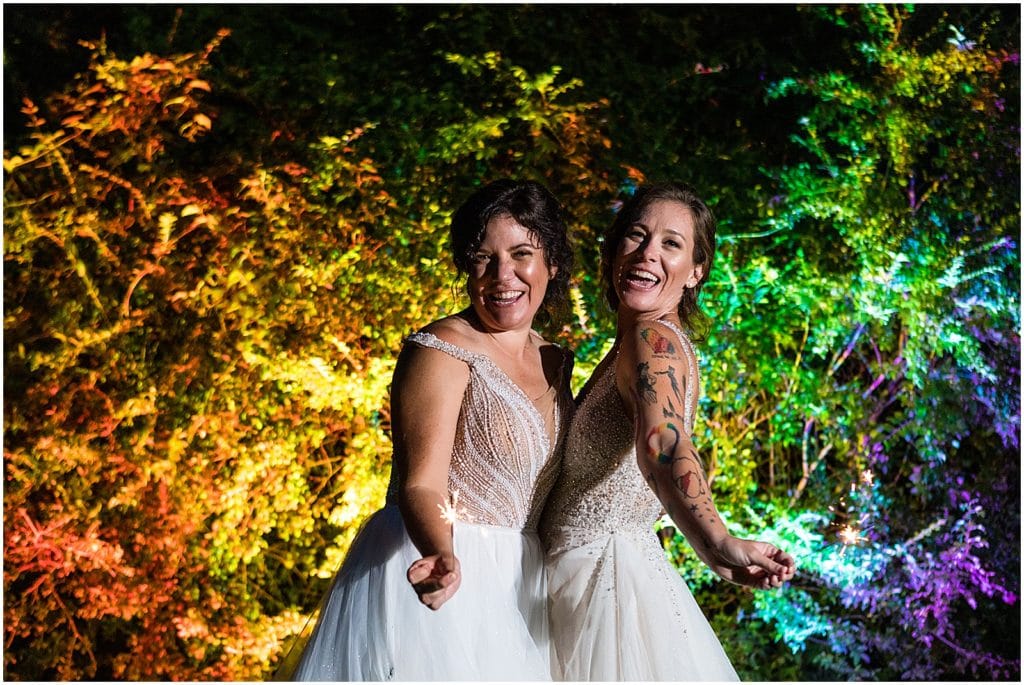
column 704, row 224
column 535, row 208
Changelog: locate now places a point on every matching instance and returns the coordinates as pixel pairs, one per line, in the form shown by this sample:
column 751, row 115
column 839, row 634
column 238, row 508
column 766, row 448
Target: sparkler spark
column 848, row 535
column 849, row 526
column 450, row 511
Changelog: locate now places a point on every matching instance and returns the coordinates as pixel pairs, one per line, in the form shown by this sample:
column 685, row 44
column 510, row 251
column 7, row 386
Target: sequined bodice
column 600, row 489
column 504, row 461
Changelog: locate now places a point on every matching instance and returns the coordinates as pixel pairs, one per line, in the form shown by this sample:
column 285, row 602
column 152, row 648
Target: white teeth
column 642, row 275
column 506, row 296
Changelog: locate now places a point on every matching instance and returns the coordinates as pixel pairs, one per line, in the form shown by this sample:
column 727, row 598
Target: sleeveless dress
column 619, row 610
column 371, row 625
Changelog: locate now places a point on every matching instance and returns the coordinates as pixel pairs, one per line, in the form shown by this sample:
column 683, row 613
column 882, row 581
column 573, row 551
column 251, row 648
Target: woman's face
column 508, row 276
column 654, row 261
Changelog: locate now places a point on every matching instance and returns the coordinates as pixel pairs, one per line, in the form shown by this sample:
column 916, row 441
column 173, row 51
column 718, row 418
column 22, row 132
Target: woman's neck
column 513, row 344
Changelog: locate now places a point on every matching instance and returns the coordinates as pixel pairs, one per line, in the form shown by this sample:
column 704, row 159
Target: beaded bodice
column 504, row 461
column 600, row 489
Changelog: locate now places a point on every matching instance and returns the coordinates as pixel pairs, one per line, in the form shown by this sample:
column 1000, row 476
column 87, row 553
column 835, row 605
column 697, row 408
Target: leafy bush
column 209, row 267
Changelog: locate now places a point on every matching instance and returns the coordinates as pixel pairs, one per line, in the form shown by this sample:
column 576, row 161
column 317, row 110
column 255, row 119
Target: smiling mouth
column 640, row 279
column 505, row 298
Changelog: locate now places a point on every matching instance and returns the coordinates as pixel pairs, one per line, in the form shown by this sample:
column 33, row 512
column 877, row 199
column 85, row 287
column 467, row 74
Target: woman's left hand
column 752, row 563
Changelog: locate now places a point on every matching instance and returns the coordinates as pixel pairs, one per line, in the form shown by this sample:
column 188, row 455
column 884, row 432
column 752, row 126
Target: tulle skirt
column 620, row 611
column 371, row 625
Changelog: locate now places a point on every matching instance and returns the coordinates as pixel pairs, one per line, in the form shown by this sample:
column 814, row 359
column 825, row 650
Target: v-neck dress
column 619, row 610
column 371, row 625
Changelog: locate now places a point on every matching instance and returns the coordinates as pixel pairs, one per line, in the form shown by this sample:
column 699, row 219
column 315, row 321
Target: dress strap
column 683, row 338
column 432, row 341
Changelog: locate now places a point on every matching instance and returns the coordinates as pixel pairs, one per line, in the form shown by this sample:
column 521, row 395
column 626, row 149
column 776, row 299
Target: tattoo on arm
column 687, row 473
column 691, row 503
column 645, row 383
column 666, row 456
column 658, row 343
column 670, row 412
column 691, row 484
column 671, row 373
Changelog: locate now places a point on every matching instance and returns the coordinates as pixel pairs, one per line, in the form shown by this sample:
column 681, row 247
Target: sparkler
column 851, row 533
column 848, row 535
column 450, row 511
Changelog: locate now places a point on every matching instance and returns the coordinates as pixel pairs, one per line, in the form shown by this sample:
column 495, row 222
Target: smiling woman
column 479, row 406
column 509, row 276
column 655, row 264
column 619, row 611
column 652, row 240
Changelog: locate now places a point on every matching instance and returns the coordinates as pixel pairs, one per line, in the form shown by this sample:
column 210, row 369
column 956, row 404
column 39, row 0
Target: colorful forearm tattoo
column 686, row 472
column 662, row 457
column 687, row 475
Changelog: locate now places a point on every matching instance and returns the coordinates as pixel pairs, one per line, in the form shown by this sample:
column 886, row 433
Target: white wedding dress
column 371, row 624
column 619, row 610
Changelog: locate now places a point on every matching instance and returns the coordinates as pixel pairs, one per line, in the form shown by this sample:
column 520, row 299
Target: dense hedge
column 211, row 254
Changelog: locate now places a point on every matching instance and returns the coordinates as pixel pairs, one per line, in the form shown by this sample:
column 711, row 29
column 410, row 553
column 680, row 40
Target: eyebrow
column 647, row 228
column 517, row 247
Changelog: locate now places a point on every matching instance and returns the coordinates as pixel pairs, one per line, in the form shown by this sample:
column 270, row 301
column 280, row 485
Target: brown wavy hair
column 704, row 228
column 533, row 207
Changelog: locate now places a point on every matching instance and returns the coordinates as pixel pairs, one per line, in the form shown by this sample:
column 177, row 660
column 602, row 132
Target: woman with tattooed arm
column 618, row 609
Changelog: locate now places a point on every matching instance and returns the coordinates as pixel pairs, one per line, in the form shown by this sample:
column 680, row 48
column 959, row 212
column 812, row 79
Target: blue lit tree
column 863, row 384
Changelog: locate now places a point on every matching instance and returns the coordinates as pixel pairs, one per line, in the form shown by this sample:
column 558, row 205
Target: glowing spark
column 849, row 536
column 450, row 511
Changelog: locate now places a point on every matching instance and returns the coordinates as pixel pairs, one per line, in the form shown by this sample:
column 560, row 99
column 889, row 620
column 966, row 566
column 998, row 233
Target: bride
column 446, row 582
column 619, row 611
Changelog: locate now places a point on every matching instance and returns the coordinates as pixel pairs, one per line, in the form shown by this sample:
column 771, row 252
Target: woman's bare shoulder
column 454, row 329
column 650, row 340
column 424, row 362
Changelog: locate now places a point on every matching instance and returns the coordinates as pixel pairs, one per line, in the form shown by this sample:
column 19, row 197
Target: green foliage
column 211, row 258
column 202, row 357
column 873, row 336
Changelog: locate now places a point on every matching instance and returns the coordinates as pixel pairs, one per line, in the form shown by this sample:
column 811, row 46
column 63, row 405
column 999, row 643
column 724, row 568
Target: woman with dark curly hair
column 446, row 582
column 619, row 611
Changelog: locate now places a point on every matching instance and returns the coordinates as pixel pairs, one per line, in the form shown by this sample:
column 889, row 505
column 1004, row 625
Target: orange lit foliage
column 197, row 356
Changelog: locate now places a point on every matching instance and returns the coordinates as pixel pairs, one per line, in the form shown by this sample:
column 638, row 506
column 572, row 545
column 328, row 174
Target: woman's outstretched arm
column 651, row 374
column 426, row 397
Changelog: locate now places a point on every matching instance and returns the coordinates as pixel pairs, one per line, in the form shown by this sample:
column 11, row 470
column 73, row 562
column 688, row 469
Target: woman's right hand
column 435, row 579
column 426, row 400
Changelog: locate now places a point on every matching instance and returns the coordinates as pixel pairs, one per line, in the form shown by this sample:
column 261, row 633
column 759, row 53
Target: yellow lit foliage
column 199, row 348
